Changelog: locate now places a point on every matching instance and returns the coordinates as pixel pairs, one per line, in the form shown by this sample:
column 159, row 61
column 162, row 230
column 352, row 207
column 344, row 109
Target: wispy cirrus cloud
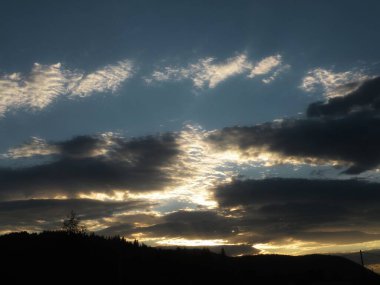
column 265, row 65
column 108, row 78
column 34, row 91
column 46, row 83
column 206, row 72
column 332, row 84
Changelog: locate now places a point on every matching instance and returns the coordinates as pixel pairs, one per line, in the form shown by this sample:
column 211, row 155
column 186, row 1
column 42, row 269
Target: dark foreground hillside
column 59, row 257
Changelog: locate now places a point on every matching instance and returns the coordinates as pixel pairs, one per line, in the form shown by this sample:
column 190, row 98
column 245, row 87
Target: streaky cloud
column 36, row 91
column 34, row 148
column 47, row 214
column 331, row 134
column 207, row 73
column 266, row 65
column 46, row 83
column 309, row 210
column 108, row 78
column 88, row 164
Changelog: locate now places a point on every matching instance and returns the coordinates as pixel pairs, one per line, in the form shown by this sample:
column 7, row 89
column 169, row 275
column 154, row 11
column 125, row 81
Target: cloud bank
column 325, row 211
column 343, row 132
column 88, row 164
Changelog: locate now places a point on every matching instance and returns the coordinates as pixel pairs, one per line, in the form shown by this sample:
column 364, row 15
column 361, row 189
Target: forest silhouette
column 72, row 257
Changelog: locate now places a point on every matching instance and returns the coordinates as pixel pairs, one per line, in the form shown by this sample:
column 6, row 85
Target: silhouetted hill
column 60, row 257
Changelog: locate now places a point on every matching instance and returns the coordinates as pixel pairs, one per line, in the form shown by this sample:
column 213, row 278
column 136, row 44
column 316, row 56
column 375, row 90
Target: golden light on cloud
column 199, row 167
column 192, row 242
column 299, row 247
column 36, row 147
column 259, row 155
column 196, row 170
column 113, row 196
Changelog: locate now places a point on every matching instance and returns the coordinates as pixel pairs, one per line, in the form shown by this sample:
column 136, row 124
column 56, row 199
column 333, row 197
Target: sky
column 248, row 125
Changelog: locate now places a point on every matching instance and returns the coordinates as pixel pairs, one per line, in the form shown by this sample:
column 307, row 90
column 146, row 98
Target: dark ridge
column 68, row 258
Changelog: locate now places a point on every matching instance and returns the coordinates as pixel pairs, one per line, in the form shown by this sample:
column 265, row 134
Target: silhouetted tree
column 73, row 224
column 222, row 252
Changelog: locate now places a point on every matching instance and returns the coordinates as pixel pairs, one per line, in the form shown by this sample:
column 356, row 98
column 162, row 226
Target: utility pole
column 361, row 258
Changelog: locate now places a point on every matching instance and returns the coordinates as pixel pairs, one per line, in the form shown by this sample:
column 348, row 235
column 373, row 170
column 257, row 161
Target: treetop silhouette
column 73, row 224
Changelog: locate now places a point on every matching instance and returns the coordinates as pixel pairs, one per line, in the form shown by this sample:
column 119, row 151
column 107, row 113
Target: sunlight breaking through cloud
column 192, row 242
column 299, row 247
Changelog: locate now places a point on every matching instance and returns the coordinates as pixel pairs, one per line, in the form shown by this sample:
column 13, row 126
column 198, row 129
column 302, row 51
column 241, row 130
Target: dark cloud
column 124, row 229
column 366, row 97
column 136, row 165
column 286, row 190
column 230, row 249
column 80, row 146
column 127, row 225
column 338, row 237
column 260, row 211
column 48, row 213
column 184, row 224
column 305, row 209
column 193, row 224
column 352, row 139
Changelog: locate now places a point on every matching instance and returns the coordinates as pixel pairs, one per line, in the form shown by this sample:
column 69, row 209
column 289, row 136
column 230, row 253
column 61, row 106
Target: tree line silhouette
column 72, row 255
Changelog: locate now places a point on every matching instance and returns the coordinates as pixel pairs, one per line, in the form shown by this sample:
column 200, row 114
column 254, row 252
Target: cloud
column 46, row 83
column 207, row 73
column 106, row 79
column 192, row 224
column 204, row 72
column 46, row 214
column 77, row 147
column 183, row 228
column 307, row 213
column 35, row 91
column 266, row 65
column 366, row 97
column 91, row 164
column 36, row 147
column 310, row 210
column 332, row 84
column 332, row 134
column 229, row 249
column 189, row 166
column 286, row 190
column 335, row 141
column 275, row 74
